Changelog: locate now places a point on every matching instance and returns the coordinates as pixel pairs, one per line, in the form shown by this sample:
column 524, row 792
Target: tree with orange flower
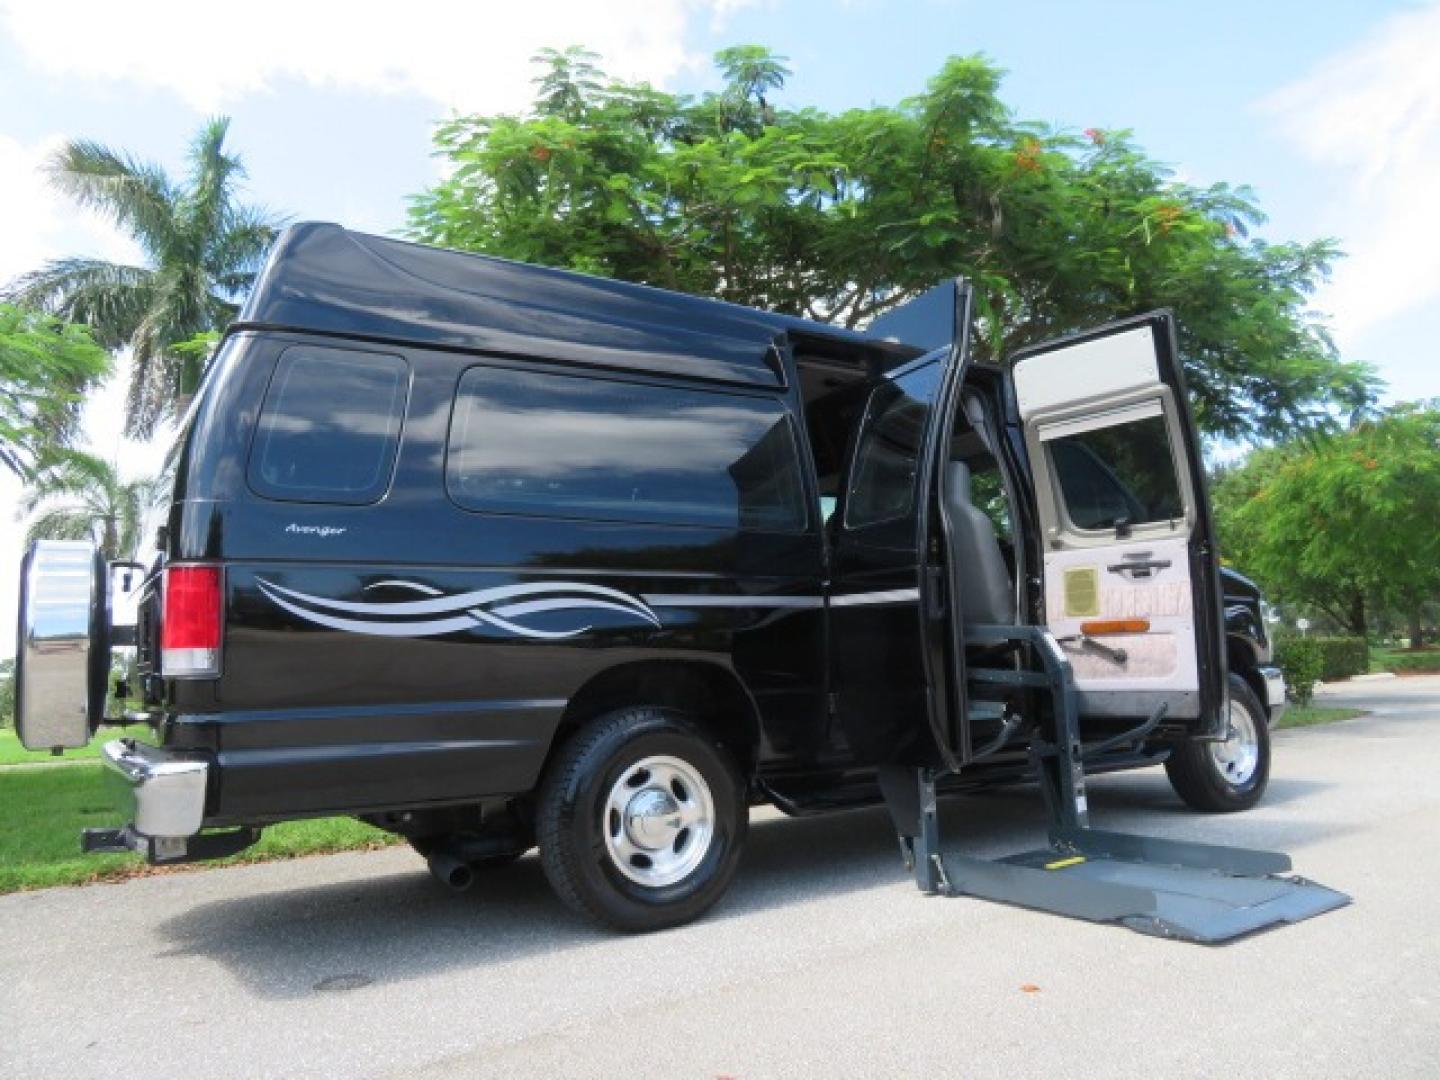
column 1345, row 522
column 842, row 216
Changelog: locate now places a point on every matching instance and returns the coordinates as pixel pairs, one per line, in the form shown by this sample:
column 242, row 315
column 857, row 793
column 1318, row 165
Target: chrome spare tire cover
column 62, row 654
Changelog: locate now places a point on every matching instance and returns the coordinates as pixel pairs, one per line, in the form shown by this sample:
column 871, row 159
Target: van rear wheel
column 640, row 821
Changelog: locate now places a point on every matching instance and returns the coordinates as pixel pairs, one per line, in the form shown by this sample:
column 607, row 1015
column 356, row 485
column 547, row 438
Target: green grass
column 1381, row 659
column 1400, row 660
column 43, row 810
column 12, row 753
column 1310, row 715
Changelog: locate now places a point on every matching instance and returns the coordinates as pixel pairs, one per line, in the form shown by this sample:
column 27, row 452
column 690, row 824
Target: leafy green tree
column 843, row 216
column 202, row 250
column 45, row 367
column 1344, row 520
column 83, row 497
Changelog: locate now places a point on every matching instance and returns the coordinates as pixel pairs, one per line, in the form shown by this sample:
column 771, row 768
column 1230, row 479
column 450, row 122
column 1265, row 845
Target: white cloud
column 1372, row 113
column 464, row 55
column 37, row 223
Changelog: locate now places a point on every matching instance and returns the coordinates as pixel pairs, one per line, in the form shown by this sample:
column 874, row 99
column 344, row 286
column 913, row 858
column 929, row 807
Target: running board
column 1167, row 888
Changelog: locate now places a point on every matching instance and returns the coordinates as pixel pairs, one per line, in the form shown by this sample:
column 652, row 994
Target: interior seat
column 987, row 593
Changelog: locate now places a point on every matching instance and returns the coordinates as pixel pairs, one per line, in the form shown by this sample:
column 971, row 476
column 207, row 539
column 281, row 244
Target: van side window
column 882, row 483
column 567, row 446
column 330, row 426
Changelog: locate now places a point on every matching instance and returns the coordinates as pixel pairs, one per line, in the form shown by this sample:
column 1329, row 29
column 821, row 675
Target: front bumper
column 1275, row 703
column 163, row 795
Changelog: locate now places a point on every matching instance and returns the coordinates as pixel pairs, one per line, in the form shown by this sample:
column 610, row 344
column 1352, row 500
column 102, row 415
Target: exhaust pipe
column 451, row 871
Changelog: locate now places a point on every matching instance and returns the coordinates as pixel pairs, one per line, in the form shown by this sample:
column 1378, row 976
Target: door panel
column 878, row 677
column 1129, row 559
column 897, row 670
column 1081, row 591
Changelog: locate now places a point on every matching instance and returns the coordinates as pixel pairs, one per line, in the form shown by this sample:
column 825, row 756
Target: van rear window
column 567, row 446
column 330, row 426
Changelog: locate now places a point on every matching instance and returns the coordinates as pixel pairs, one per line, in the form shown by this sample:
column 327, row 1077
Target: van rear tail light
column 190, row 622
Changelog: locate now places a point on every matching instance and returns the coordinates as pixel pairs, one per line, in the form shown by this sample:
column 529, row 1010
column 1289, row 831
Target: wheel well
column 708, row 693
column 1240, row 657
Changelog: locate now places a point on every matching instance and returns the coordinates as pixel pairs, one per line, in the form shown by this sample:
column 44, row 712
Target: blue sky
column 1331, row 112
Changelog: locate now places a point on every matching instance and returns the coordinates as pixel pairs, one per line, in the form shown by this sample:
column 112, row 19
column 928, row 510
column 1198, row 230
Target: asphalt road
column 824, row 960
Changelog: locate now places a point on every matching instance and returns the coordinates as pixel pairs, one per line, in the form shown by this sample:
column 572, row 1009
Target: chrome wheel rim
column 658, row 821
column 1238, row 756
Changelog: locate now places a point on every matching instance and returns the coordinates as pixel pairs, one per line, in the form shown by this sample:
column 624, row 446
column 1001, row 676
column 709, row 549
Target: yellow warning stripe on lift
column 1061, row 864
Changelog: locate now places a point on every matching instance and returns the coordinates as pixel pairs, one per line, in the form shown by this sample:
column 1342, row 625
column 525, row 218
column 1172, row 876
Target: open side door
column 897, row 676
column 1130, row 566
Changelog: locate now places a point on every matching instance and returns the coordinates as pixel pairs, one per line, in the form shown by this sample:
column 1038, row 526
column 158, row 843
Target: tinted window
column 330, row 426
column 535, row 443
column 882, row 483
column 1121, row 472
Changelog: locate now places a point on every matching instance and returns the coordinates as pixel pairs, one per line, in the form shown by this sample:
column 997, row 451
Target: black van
column 496, row 556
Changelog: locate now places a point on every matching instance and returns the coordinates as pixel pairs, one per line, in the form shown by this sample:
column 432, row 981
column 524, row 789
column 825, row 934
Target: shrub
column 1302, row 660
column 1342, row 657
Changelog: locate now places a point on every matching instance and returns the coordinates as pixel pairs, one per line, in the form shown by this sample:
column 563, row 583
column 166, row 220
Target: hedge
column 1416, row 661
column 1301, row 659
column 1342, row 657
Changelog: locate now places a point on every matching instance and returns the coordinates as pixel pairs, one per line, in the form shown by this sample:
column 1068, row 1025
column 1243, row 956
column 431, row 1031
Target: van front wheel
column 1222, row 777
column 640, row 821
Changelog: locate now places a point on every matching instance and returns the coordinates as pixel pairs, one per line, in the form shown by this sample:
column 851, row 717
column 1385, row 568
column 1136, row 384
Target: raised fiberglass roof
column 322, row 278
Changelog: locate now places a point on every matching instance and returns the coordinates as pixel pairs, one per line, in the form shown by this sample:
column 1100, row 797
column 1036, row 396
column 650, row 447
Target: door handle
column 1148, row 565
column 1109, row 652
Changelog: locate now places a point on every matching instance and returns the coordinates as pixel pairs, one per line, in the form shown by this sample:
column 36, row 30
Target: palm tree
column 81, row 497
column 202, row 251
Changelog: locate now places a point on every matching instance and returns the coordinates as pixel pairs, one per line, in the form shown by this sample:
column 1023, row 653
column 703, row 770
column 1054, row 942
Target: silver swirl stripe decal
column 503, row 607
column 499, row 607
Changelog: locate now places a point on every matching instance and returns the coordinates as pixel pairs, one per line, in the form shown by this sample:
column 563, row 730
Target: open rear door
column 1130, row 564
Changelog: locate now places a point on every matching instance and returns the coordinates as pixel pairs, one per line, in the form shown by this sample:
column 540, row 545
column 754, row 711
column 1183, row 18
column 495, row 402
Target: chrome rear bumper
column 163, row 795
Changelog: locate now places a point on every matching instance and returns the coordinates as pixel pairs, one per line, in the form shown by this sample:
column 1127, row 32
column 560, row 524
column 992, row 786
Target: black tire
column 572, row 819
column 1204, row 782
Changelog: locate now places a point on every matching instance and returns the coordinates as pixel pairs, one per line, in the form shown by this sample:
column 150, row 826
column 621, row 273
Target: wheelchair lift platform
column 1168, row 888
